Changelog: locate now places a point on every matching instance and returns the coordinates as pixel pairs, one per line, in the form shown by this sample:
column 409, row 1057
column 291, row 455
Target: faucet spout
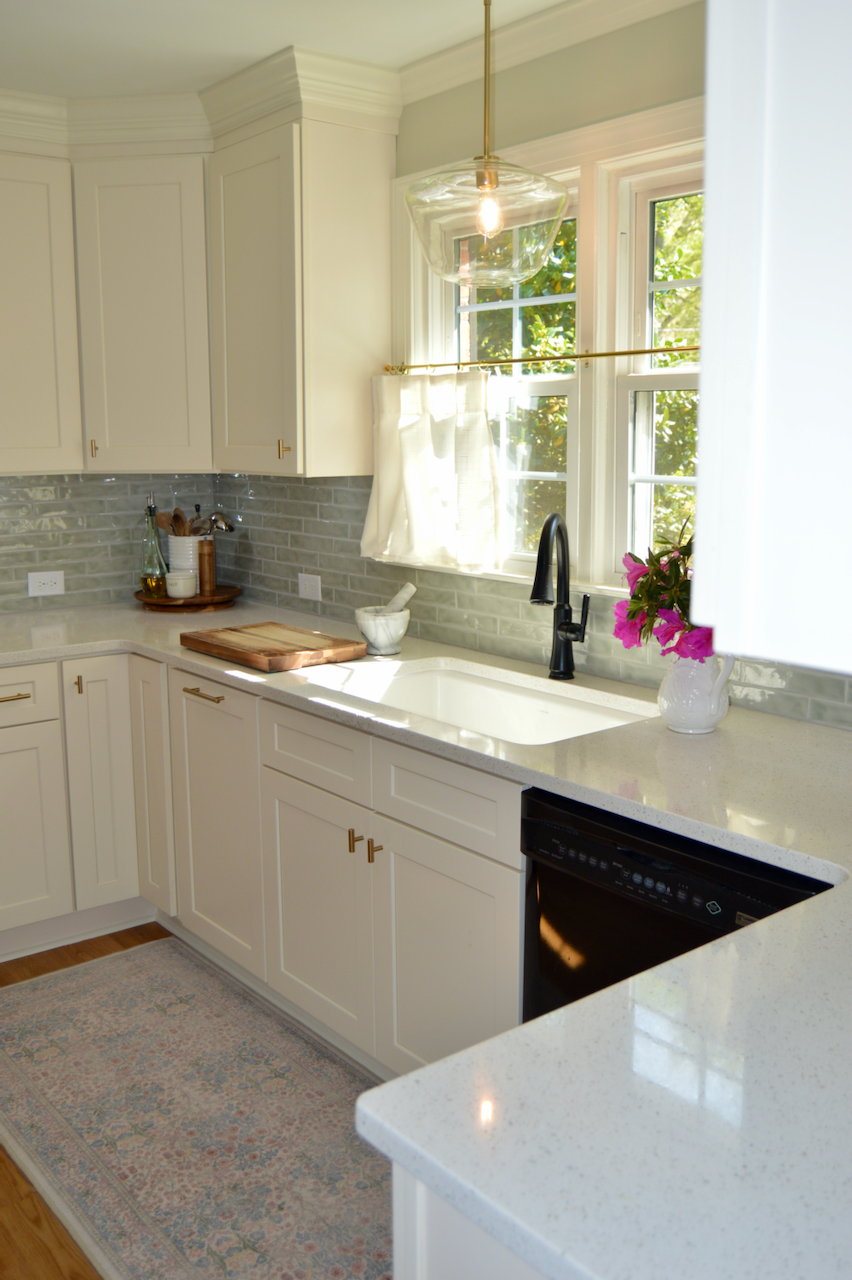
column 565, row 630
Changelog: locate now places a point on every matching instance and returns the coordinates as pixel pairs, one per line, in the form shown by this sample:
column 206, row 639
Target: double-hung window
column 610, row 442
column 532, row 407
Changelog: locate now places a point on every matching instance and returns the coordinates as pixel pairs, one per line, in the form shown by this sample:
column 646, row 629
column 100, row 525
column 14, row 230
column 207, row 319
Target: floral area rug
column 180, row 1126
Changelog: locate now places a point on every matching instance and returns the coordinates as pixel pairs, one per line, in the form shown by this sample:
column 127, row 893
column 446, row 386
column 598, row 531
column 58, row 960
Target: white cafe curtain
column 435, row 490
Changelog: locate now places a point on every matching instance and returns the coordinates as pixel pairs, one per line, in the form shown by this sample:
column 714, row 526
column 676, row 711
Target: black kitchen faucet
column 564, row 630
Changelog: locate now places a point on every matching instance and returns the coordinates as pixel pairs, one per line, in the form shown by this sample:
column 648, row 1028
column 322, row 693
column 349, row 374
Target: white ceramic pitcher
column 692, row 697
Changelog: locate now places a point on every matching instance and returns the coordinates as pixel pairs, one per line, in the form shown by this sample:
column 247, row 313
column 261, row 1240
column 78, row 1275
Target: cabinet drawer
column 327, row 755
column 470, row 808
column 29, row 694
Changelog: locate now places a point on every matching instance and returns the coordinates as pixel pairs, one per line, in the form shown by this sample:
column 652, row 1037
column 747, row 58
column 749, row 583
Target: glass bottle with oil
column 153, row 564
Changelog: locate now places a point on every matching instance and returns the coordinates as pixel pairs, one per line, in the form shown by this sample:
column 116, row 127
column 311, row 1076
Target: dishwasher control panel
column 636, row 874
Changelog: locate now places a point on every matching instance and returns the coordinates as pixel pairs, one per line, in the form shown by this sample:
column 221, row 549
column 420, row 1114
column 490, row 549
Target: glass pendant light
column 485, row 222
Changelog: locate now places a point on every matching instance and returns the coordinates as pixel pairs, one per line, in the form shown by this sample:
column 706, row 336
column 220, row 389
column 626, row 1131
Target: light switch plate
column 51, row 583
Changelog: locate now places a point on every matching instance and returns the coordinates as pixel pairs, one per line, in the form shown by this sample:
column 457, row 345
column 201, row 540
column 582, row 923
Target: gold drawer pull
column 94, row 448
column 353, row 839
column 372, row 850
column 208, row 697
column 16, row 697
column 283, row 448
column 79, row 684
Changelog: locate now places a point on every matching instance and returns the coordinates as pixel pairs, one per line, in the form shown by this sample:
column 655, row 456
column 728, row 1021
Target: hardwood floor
column 34, row 1245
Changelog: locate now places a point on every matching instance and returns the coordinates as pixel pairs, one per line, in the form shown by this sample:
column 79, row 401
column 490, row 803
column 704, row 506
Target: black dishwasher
column 608, row 897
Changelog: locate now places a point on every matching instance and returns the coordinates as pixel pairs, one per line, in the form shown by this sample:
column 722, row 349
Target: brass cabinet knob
column 353, row 839
column 372, row 850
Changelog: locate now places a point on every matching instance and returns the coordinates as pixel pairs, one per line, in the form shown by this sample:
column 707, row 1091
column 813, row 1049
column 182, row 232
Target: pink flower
column 667, row 631
column 628, row 630
column 633, row 570
column 696, row 644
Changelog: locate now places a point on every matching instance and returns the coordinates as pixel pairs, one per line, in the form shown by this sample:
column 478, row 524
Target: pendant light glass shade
column 485, row 222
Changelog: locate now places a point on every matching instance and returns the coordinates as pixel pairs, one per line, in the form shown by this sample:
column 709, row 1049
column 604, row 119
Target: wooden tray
column 270, row 646
column 222, row 598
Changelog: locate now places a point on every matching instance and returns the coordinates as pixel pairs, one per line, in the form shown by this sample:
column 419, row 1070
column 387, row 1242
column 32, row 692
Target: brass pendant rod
column 487, row 129
column 561, row 359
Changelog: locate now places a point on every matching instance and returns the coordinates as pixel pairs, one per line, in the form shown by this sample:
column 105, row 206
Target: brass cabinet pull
column 79, row 684
column 372, row 850
column 16, row 697
column 283, row 448
column 353, row 839
column 208, row 697
column 94, row 448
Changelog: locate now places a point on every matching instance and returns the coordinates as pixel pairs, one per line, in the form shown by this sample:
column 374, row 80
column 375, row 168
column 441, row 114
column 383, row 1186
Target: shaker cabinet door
column 100, row 779
column 142, row 278
column 319, row 920
column 256, row 304
column 40, row 428
column 447, row 946
column 216, row 786
column 152, row 778
column 35, row 854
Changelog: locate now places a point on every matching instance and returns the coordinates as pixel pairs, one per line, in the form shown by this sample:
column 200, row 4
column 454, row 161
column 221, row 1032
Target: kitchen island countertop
column 690, row 1122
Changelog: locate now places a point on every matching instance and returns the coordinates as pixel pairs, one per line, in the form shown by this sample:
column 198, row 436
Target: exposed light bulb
column 489, row 216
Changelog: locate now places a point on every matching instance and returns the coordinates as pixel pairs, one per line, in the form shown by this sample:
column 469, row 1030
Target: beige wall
column 647, row 65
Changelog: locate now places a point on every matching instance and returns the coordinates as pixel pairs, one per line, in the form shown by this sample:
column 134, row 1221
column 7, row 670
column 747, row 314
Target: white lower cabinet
column 100, row 779
column 319, row 913
column 152, row 777
column 447, row 939
column 399, row 939
column 35, row 853
column 216, row 791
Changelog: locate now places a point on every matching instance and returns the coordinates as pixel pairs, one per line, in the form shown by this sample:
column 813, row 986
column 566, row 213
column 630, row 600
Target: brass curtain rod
column 576, row 355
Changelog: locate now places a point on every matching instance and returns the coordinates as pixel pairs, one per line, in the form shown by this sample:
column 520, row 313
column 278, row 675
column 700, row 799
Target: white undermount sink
column 485, row 700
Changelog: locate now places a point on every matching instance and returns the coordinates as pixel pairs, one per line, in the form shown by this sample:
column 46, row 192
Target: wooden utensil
column 270, row 646
column 179, row 522
column 164, row 521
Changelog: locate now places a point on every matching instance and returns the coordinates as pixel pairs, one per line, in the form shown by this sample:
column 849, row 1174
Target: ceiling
column 118, row 48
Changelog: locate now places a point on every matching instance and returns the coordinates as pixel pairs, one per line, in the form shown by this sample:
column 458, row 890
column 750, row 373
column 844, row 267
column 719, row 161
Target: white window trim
column 610, row 160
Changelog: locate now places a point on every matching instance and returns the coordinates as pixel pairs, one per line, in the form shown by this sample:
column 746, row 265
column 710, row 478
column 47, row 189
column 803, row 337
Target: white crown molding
column 32, row 122
column 564, row 25
column 299, row 83
column 164, row 122
column 78, row 127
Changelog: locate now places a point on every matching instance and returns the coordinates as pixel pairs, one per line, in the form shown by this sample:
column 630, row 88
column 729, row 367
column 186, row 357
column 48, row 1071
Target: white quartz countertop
column 761, row 785
column 692, row 1123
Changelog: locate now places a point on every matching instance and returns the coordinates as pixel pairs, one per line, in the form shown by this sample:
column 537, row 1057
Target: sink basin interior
column 485, row 700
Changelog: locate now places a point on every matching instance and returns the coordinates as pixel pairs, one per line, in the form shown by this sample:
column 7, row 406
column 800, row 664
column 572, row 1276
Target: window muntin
column 532, row 407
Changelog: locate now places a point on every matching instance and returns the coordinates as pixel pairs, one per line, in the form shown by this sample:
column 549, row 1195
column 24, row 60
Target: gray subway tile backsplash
column 91, row 526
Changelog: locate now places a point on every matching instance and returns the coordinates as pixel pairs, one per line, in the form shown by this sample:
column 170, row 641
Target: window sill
column 615, row 590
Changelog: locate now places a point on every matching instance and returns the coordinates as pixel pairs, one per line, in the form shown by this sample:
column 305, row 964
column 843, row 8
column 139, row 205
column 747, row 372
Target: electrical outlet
column 46, row 584
column 310, row 586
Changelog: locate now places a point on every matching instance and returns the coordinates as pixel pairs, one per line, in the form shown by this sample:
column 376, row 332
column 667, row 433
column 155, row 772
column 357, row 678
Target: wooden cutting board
column 270, row 646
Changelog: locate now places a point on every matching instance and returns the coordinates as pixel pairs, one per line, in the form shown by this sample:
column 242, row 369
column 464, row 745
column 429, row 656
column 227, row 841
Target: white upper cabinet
column 39, row 370
column 300, row 297
column 775, row 449
column 142, row 281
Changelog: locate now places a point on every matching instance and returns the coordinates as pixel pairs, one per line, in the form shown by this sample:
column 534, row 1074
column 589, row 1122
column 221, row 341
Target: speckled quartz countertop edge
column 760, row 785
